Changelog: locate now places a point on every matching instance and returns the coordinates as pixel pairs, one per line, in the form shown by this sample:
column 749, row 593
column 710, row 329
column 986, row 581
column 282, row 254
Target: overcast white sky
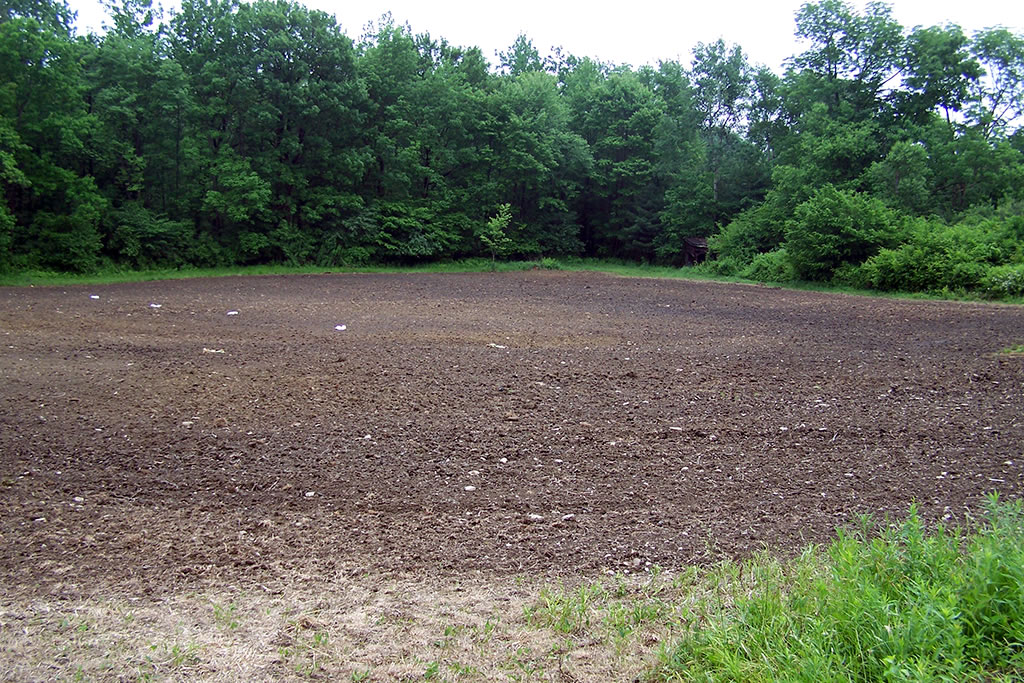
column 635, row 32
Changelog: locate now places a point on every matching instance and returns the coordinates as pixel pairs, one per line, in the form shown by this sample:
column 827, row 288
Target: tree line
column 244, row 133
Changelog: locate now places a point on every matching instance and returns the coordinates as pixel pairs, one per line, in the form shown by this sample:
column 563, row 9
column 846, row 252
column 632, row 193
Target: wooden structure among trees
column 695, row 250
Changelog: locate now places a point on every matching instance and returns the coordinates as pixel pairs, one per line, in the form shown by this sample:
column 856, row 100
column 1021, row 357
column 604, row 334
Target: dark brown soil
column 535, row 422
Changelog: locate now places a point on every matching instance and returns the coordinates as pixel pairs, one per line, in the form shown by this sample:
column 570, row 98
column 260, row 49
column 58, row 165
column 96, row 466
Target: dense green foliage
column 260, row 133
column 900, row 606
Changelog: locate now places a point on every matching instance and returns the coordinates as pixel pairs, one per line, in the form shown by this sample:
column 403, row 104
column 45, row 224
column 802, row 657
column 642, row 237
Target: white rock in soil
column 534, row 517
column 341, row 328
column 310, row 494
column 232, row 312
column 94, row 296
column 155, row 305
column 470, row 488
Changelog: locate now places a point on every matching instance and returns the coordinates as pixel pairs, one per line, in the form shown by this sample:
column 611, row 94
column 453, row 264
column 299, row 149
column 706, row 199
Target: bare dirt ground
column 163, row 437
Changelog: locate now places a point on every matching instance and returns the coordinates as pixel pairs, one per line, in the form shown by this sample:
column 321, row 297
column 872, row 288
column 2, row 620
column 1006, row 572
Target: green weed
column 226, row 616
column 902, row 604
column 565, row 612
column 308, row 649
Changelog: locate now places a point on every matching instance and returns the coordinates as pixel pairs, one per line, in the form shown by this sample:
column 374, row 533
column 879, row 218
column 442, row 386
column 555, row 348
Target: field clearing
column 221, row 462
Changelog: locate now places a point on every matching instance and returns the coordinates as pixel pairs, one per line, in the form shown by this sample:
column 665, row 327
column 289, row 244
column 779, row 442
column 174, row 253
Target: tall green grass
column 901, row 605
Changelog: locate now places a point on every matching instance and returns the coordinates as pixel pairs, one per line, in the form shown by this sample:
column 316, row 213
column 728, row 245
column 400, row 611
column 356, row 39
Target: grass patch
column 477, row 265
column 902, row 605
column 1016, row 349
column 895, row 602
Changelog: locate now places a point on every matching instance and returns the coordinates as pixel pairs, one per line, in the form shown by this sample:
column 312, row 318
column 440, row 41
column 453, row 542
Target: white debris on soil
column 534, row 517
column 469, row 488
column 206, row 350
column 341, row 328
column 310, row 494
column 155, row 305
column 497, row 346
column 232, row 312
column 187, row 423
column 94, row 296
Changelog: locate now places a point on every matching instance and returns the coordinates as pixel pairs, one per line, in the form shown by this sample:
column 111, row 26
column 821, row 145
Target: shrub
column 293, row 246
column 836, row 227
column 723, row 265
column 1004, row 281
column 753, row 232
column 144, row 239
column 206, row 252
column 64, row 242
column 550, row 264
column 773, row 266
column 938, row 257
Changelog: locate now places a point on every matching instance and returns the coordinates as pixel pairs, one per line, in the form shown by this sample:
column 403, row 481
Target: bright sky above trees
column 638, row 32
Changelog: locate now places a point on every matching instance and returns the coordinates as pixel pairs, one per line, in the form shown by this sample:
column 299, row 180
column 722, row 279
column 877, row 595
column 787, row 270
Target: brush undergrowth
column 902, row 605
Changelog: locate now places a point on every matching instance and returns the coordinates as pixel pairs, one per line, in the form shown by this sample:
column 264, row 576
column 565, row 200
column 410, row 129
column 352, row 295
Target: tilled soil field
column 161, row 434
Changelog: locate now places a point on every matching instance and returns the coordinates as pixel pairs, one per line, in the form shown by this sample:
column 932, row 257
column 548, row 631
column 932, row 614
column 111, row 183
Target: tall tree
column 853, row 56
column 940, row 72
column 522, row 57
column 621, row 203
column 53, row 208
column 998, row 97
column 723, row 81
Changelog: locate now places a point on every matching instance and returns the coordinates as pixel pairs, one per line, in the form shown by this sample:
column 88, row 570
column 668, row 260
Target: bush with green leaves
column 205, row 251
column 63, row 242
column 145, row 239
column 755, row 231
column 408, row 233
column 939, row 257
column 1004, row 281
column 772, row 266
column 292, row 245
column 903, row 179
column 492, row 234
column 837, row 227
